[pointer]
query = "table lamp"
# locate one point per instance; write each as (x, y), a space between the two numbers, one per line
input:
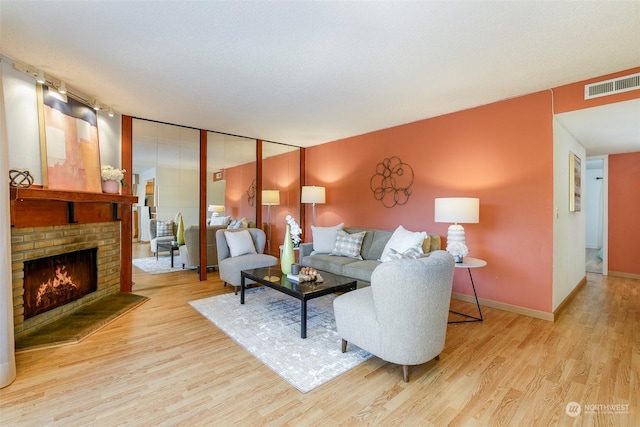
(456, 210)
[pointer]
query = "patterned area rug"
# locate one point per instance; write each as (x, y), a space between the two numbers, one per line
(268, 326)
(162, 265)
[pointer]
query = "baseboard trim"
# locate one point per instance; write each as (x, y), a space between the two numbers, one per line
(625, 275)
(569, 297)
(538, 314)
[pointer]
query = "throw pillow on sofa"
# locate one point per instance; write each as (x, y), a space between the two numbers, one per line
(413, 252)
(238, 223)
(240, 243)
(164, 228)
(324, 238)
(348, 245)
(219, 220)
(401, 240)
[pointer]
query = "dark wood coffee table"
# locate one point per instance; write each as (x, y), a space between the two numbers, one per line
(303, 291)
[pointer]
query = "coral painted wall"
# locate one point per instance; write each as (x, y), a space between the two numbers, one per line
(501, 153)
(238, 191)
(624, 206)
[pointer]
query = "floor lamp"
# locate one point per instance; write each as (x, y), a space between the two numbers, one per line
(312, 194)
(269, 198)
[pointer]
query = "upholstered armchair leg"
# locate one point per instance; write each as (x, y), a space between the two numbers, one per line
(437, 357)
(225, 284)
(405, 373)
(235, 290)
(344, 346)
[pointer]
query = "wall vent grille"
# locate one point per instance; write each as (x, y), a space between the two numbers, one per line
(611, 87)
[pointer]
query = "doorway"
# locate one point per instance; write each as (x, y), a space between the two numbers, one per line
(596, 215)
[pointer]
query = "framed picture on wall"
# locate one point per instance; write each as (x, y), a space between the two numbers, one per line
(68, 143)
(575, 182)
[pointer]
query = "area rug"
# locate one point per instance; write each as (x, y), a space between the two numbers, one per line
(268, 326)
(161, 265)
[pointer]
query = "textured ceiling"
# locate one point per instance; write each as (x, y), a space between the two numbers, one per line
(305, 73)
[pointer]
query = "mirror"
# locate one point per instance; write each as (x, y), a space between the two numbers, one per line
(281, 175)
(166, 178)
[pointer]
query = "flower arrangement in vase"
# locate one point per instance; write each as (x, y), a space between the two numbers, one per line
(458, 249)
(111, 177)
(295, 231)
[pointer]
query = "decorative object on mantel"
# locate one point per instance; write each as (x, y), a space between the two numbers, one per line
(251, 193)
(296, 231)
(391, 184)
(111, 177)
(288, 257)
(20, 178)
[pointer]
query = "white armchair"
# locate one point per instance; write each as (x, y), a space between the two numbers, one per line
(402, 316)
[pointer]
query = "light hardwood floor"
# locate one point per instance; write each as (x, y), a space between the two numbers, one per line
(164, 364)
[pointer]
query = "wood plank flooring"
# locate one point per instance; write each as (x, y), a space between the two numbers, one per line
(164, 364)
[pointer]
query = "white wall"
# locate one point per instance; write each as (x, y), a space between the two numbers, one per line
(594, 203)
(7, 345)
(22, 126)
(569, 262)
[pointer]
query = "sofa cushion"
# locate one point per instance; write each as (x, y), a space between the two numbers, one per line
(240, 243)
(401, 240)
(348, 245)
(326, 262)
(164, 228)
(324, 238)
(360, 270)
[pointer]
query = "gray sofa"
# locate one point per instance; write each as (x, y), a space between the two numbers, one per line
(372, 247)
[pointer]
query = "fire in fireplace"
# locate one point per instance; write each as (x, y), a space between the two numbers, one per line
(57, 280)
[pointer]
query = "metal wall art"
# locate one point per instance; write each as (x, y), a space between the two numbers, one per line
(20, 178)
(251, 193)
(391, 184)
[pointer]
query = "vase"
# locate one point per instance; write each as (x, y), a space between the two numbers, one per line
(110, 186)
(288, 256)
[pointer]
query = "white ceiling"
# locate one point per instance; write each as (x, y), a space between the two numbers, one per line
(305, 73)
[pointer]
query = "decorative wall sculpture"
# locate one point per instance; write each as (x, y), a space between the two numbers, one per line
(391, 184)
(251, 193)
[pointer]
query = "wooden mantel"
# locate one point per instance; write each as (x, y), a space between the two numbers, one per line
(37, 207)
(40, 207)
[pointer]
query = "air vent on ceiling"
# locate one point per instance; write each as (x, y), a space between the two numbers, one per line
(613, 86)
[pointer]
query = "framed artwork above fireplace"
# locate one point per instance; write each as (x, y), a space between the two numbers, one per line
(69, 145)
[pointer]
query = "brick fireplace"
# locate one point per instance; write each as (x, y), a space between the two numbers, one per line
(29, 243)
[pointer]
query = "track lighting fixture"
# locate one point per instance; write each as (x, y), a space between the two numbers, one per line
(40, 77)
(110, 113)
(96, 105)
(62, 89)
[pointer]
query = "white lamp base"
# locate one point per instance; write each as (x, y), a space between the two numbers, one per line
(455, 233)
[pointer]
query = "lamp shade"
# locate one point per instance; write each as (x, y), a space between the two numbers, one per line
(270, 197)
(216, 208)
(465, 210)
(312, 194)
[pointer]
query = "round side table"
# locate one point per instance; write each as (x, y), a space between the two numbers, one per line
(470, 263)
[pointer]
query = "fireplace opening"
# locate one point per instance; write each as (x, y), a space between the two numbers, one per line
(57, 280)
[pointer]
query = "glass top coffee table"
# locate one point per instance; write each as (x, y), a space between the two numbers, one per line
(303, 291)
